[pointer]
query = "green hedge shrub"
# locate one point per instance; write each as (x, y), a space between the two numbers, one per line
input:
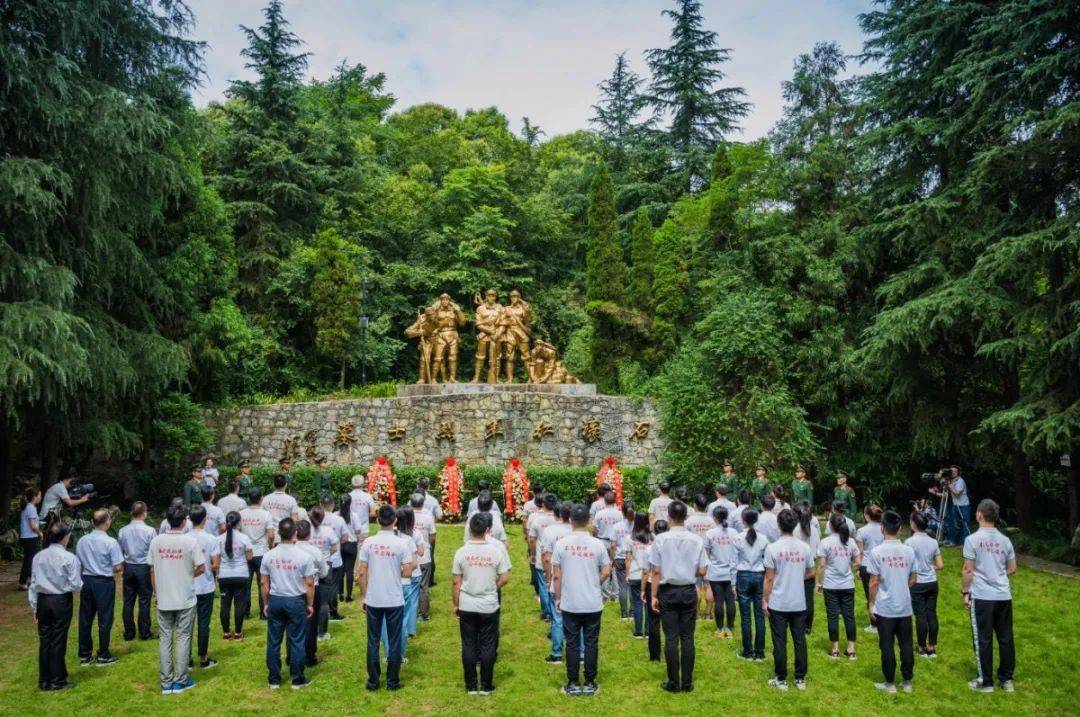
(577, 484)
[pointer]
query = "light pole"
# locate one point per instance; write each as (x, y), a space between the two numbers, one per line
(363, 333)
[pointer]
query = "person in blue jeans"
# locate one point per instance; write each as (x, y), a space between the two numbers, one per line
(410, 585)
(384, 559)
(750, 586)
(287, 584)
(637, 561)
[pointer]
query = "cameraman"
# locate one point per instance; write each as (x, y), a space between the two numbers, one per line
(958, 512)
(57, 496)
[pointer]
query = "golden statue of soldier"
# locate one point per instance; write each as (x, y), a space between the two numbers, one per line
(516, 332)
(447, 316)
(489, 332)
(424, 329)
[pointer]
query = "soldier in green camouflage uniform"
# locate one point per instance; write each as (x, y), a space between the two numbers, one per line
(244, 479)
(801, 487)
(844, 492)
(759, 487)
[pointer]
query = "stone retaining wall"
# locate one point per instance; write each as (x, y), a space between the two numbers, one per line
(487, 428)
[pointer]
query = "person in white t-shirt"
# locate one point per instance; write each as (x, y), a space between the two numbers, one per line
(580, 563)
(677, 562)
(699, 522)
(209, 473)
(597, 505)
(869, 536)
(328, 541)
(837, 553)
(259, 526)
(432, 508)
(989, 560)
(808, 531)
(215, 517)
(205, 585)
(892, 573)
(287, 574)
(721, 491)
(924, 593)
(232, 501)
(231, 566)
(425, 524)
(176, 560)
(766, 524)
(788, 564)
(544, 548)
(481, 486)
(658, 505)
(279, 504)
(535, 524)
(620, 558)
(750, 584)
(363, 508)
(720, 549)
(313, 624)
(385, 560)
(605, 523)
(479, 570)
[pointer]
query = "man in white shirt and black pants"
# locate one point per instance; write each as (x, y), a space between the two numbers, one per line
(134, 539)
(789, 563)
(580, 563)
(989, 560)
(480, 569)
(892, 573)
(101, 560)
(677, 559)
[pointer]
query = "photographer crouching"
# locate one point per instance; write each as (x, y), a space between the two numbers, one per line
(65, 494)
(952, 490)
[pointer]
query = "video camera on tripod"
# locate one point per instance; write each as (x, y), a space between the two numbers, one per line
(78, 490)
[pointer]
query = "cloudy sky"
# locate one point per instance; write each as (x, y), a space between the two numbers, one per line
(540, 59)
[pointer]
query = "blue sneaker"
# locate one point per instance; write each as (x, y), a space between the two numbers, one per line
(166, 689)
(179, 687)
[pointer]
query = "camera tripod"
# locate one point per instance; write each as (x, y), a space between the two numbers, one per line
(942, 507)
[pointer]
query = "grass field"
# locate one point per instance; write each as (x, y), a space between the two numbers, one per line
(1047, 631)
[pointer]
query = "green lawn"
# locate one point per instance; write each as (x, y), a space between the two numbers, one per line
(1047, 679)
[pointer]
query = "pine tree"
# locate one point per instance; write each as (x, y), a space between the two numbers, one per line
(95, 122)
(683, 87)
(335, 295)
(615, 116)
(605, 280)
(265, 166)
(671, 284)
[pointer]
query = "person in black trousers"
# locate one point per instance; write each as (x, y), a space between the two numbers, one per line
(55, 575)
(134, 539)
(678, 561)
(989, 560)
(349, 549)
(480, 570)
(652, 618)
(29, 532)
(101, 561)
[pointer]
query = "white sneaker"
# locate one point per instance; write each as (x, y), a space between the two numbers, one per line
(978, 686)
(887, 687)
(1008, 686)
(800, 684)
(778, 684)
(906, 686)
(871, 629)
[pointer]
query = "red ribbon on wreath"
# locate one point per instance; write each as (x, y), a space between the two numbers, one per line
(610, 474)
(450, 484)
(515, 488)
(381, 483)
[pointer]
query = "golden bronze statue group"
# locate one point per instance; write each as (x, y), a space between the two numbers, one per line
(502, 332)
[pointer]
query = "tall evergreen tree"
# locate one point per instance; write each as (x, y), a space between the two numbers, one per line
(605, 280)
(615, 116)
(684, 87)
(93, 128)
(639, 288)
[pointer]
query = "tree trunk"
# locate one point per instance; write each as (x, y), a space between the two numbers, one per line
(1072, 473)
(7, 470)
(1025, 492)
(49, 458)
(341, 380)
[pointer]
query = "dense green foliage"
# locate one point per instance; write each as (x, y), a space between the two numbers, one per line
(888, 280)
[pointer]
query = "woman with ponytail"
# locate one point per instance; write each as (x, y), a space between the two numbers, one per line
(231, 568)
(29, 532)
(869, 537)
(350, 546)
(808, 531)
(55, 575)
(837, 553)
(750, 585)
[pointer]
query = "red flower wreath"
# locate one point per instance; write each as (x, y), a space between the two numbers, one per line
(450, 484)
(610, 474)
(380, 481)
(515, 488)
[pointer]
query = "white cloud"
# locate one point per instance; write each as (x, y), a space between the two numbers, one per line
(542, 60)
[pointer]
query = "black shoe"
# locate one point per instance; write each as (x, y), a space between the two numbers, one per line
(571, 689)
(348, 598)
(393, 688)
(57, 686)
(301, 683)
(669, 687)
(151, 636)
(208, 664)
(688, 688)
(128, 638)
(336, 617)
(88, 660)
(589, 689)
(371, 687)
(553, 660)
(312, 662)
(105, 660)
